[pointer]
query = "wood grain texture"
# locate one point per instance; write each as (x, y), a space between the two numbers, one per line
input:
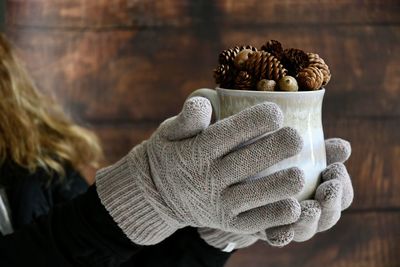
(181, 13)
(375, 158)
(123, 66)
(147, 74)
(97, 14)
(358, 240)
(118, 75)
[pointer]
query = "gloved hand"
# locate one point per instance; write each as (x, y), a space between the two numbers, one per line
(332, 196)
(190, 173)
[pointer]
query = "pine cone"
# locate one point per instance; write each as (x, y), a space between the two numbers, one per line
(294, 60)
(263, 65)
(316, 61)
(244, 81)
(310, 78)
(274, 47)
(228, 56)
(224, 75)
(252, 48)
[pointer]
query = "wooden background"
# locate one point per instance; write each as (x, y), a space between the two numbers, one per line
(121, 67)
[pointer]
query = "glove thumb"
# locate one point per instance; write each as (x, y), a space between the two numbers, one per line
(194, 118)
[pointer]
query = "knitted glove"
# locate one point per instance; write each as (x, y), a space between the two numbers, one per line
(332, 196)
(190, 173)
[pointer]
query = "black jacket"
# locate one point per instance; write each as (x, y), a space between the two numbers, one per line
(80, 232)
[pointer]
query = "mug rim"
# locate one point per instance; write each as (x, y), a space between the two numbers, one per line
(235, 91)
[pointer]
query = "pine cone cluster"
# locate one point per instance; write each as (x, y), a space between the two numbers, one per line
(270, 64)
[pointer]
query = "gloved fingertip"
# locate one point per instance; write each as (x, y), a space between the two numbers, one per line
(293, 210)
(292, 140)
(280, 236)
(334, 171)
(329, 194)
(273, 112)
(196, 104)
(337, 150)
(194, 118)
(310, 211)
(297, 177)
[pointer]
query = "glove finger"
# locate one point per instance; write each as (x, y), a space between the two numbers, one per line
(329, 196)
(279, 236)
(275, 214)
(307, 225)
(225, 135)
(337, 150)
(272, 188)
(338, 171)
(258, 156)
(194, 118)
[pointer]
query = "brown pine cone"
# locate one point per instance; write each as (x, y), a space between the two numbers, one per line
(310, 78)
(244, 81)
(263, 65)
(228, 56)
(274, 47)
(224, 75)
(252, 48)
(294, 60)
(316, 61)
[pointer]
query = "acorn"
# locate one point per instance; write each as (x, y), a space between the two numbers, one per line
(288, 83)
(266, 85)
(241, 58)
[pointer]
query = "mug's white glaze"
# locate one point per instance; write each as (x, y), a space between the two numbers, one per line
(302, 111)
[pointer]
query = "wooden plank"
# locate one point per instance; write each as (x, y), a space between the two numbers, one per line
(118, 141)
(264, 13)
(375, 158)
(181, 13)
(358, 240)
(97, 14)
(146, 75)
(118, 75)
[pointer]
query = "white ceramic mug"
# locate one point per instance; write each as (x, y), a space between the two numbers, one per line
(302, 111)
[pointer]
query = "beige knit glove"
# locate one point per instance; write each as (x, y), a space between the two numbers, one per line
(332, 196)
(190, 173)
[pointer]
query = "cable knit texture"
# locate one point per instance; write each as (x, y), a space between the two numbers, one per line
(190, 173)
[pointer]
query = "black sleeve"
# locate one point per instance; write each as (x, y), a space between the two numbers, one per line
(182, 249)
(77, 233)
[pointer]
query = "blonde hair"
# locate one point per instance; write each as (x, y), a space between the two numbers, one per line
(34, 131)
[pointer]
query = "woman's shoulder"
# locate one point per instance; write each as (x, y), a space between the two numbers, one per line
(68, 187)
(13, 175)
(31, 195)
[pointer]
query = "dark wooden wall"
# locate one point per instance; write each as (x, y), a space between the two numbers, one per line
(122, 67)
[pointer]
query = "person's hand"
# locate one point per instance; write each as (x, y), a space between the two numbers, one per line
(332, 196)
(190, 173)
